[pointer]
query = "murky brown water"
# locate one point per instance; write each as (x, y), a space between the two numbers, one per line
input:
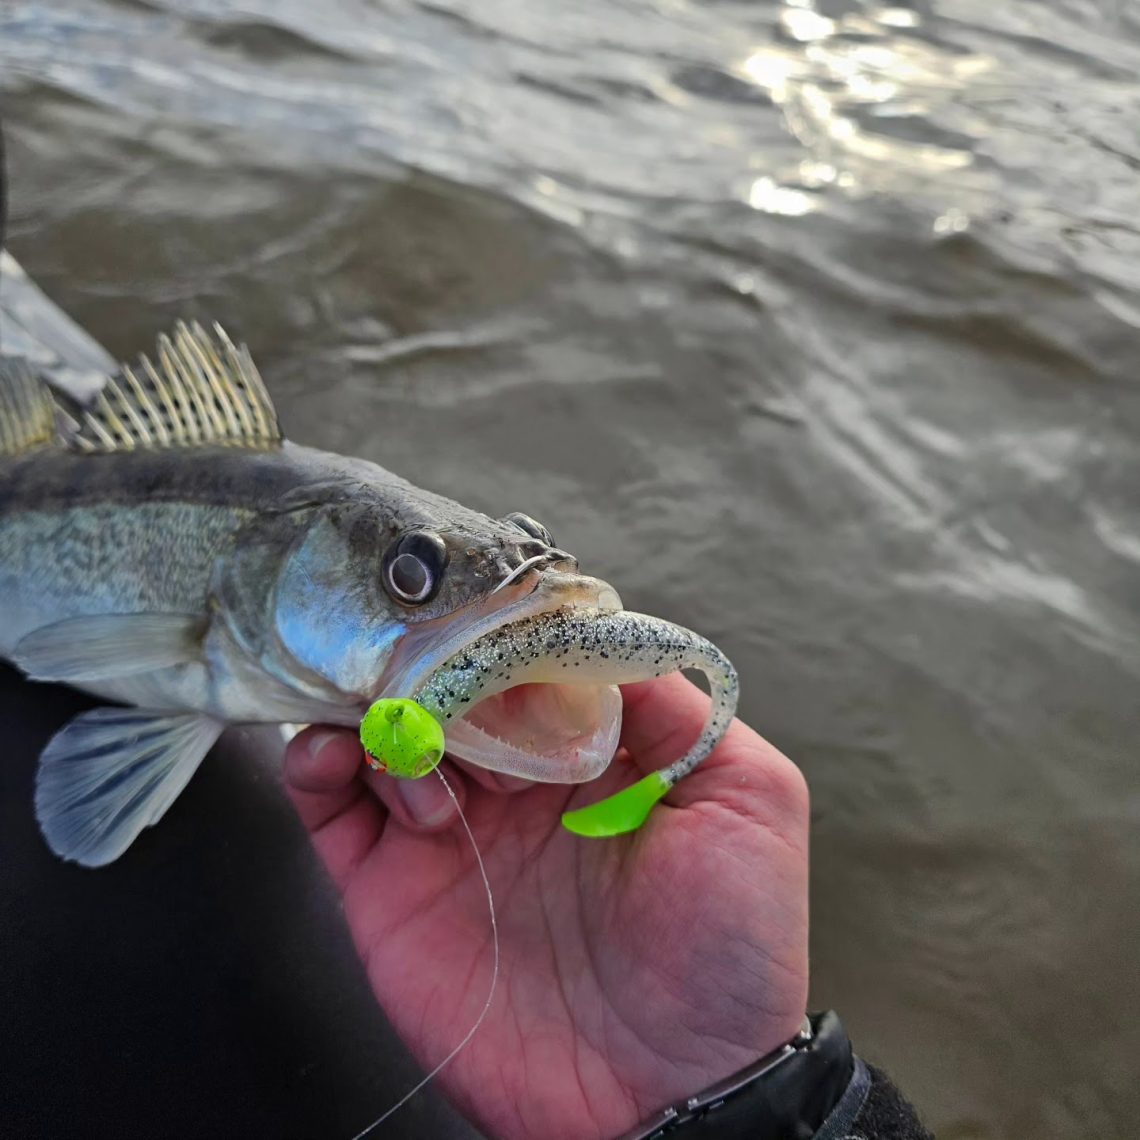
(813, 327)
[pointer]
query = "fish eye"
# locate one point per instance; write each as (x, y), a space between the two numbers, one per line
(530, 526)
(413, 567)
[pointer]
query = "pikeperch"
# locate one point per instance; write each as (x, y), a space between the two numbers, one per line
(162, 545)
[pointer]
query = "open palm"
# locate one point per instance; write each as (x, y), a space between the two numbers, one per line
(635, 970)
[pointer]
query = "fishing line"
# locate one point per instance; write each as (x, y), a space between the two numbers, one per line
(494, 972)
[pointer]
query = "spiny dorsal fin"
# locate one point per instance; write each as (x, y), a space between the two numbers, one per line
(27, 413)
(203, 390)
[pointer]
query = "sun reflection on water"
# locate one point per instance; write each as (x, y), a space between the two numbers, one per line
(766, 195)
(847, 85)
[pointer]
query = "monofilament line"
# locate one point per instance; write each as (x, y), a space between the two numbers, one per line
(494, 972)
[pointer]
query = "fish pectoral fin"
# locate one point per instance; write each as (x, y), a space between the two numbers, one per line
(109, 645)
(111, 772)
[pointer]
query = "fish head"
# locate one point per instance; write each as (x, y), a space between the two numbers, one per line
(375, 592)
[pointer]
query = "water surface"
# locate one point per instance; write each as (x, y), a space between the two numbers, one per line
(810, 326)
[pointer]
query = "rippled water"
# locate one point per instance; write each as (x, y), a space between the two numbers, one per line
(811, 326)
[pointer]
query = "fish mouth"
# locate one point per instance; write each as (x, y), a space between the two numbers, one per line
(553, 731)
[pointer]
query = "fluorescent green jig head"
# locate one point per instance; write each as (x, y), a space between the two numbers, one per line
(401, 737)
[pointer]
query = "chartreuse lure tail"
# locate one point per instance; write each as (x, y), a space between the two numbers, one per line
(624, 811)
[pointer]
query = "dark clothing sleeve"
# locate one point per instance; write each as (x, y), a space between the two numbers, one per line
(812, 1088)
(872, 1108)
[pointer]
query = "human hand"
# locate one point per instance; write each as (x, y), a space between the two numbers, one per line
(636, 970)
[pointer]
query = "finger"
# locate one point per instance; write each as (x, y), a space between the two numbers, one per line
(344, 821)
(492, 781)
(423, 804)
(320, 772)
(508, 783)
(661, 720)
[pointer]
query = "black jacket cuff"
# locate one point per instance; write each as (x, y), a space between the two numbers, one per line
(814, 1088)
(872, 1108)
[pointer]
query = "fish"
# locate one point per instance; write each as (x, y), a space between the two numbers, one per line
(165, 547)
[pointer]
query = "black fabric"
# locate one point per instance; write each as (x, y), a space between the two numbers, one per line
(886, 1114)
(825, 1093)
(841, 1121)
(790, 1102)
(203, 987)
(870, 1108)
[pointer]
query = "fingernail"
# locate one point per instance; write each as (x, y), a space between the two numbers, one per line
(315, 744)
(426, 799)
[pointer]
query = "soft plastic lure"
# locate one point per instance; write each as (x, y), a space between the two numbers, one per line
(602, 646)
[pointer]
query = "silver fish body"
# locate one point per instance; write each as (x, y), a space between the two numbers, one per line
(273, 555)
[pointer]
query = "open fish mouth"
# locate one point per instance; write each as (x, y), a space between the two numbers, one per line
(531, 689)
(558, 730)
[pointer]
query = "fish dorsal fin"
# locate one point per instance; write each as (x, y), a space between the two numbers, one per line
(202, 390)
(27, 413)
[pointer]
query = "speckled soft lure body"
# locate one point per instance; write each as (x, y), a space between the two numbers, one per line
(596, 646)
